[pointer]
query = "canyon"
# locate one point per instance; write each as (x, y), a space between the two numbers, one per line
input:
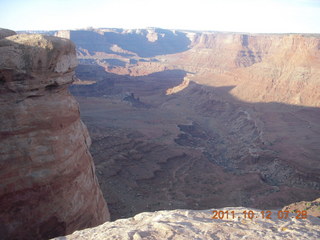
(195, 120)
(48, 184)
(177, 120)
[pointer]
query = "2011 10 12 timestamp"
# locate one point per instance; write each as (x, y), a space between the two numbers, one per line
(249, 214)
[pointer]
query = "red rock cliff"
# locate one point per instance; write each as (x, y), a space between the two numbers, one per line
(48, 184)
(262, 67)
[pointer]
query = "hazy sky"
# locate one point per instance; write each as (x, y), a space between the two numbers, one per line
(220, 15)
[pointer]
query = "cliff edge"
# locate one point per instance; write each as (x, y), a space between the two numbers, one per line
(48, 184)
(230, 223)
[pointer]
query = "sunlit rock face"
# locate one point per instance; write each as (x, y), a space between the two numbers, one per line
(262, 67)
(48, 183)
(230, 223)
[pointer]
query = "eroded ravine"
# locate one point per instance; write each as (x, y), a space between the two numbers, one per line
(230, 120)
(197, 150)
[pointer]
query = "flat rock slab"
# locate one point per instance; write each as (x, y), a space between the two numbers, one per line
(191, 224)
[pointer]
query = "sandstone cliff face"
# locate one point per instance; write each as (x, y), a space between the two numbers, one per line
(263, 68)
(48, 183)
(290, 73)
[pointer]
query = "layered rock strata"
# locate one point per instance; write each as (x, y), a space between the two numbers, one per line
(48, 184)
(262, 67)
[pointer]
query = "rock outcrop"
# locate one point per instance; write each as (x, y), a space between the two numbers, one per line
(48, 184)
(6, 33)
(313, 207)
(188, 224)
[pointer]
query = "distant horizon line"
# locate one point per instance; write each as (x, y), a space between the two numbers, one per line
(171, 29)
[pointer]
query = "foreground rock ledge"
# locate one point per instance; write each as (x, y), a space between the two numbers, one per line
(191, 224)
(48, 184)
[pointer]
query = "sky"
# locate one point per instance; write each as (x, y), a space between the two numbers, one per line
(257, 16)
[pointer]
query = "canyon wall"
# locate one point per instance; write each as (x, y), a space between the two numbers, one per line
(144, 43)
(48, 183)
(262, 67)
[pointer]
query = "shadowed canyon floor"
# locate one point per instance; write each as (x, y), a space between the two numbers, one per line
(200, 120)
(198, 148)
